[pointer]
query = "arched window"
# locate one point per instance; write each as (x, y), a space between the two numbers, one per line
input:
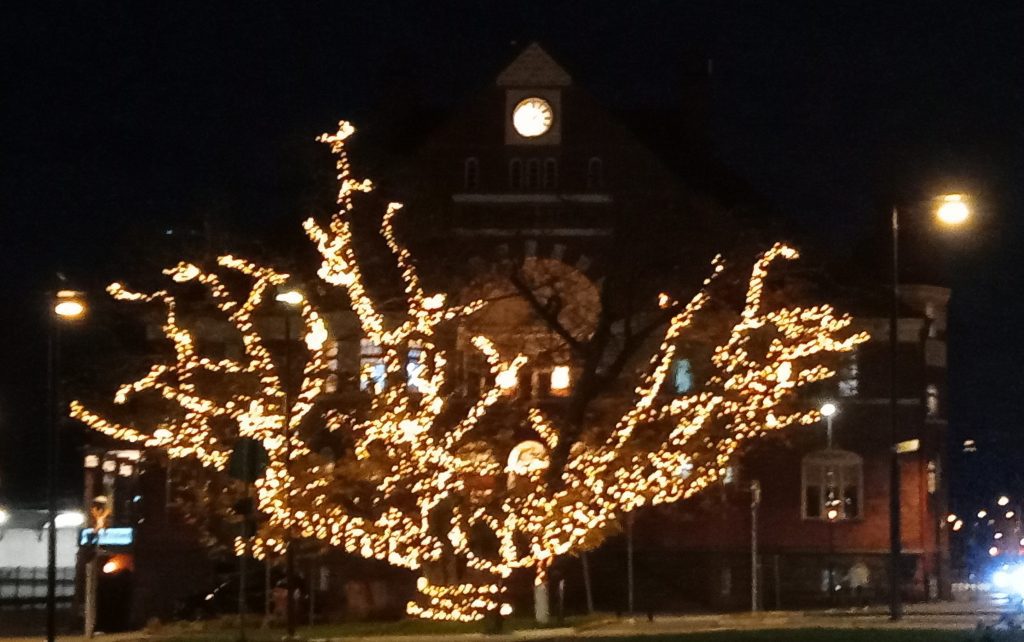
(471, 174)
(682, 376)
(515, 174)
(931, 399)
(595, 173)
(532, 174)
(848, 376)
(832, 482)
(550, 173)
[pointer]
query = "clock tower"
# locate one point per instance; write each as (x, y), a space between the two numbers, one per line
(533, 86)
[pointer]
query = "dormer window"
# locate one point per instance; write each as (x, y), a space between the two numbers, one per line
(471, 174)
(550, 173)
(595, 173)
(515, 174)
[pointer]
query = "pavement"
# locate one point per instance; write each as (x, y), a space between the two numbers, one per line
(958, 616)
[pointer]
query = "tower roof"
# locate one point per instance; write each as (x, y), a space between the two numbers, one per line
(534, 68)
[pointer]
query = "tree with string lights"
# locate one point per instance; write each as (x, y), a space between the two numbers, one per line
(419, 476)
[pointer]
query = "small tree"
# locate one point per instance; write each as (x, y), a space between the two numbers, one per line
(417, 476)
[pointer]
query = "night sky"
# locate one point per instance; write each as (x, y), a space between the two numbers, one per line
(121, 120)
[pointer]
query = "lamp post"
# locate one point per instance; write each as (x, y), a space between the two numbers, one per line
(951, 210)
(66, 307)
(828, 409)
(290, 299)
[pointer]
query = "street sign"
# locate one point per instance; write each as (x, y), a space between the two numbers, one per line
(248, 460)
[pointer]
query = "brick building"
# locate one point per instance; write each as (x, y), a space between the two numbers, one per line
(535, 167)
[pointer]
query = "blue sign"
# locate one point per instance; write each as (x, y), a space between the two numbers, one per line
(123, 536)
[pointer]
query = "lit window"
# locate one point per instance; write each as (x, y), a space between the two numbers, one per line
(933, 478)
(848, 377)
(507, 381)
(729, 474)
(550, 173)
(933, 326)
(595, 173)
(560, 380)
(415, 367)
(372, 371)
(471, 174)
(682, 376)
(532, 174)
(331, 354)
(515, 174)
(833, 485)
(932, 400)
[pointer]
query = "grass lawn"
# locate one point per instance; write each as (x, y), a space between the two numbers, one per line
(420, 627)
(224, 630)
(831, 635)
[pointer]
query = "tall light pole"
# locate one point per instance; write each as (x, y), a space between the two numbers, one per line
(828, 410)
(951, 210)
(290, 299)
(66, 306)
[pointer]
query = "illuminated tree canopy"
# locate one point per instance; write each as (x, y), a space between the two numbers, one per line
(413, 477)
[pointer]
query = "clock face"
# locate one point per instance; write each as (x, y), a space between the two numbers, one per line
(532, 117)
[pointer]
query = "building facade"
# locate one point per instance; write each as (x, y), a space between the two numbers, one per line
(534, 169)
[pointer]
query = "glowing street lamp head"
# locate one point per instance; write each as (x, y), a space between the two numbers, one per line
(290, 297)
(69, 519)
(69, 304)
(828, 409)
(1003, 501)
(953, 209)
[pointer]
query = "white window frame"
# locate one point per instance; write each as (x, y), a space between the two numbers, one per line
(814, 472)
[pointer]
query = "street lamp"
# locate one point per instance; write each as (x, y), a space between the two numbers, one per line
(290, 299)
(67, 306)
(950, 210)
(70, 519)
(828, 409)
(953, 209)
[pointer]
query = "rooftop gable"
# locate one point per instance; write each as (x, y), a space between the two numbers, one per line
(534, 68)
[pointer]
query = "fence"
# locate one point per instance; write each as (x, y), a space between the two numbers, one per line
(25, 587)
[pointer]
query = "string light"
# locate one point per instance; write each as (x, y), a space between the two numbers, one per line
(423, 481)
